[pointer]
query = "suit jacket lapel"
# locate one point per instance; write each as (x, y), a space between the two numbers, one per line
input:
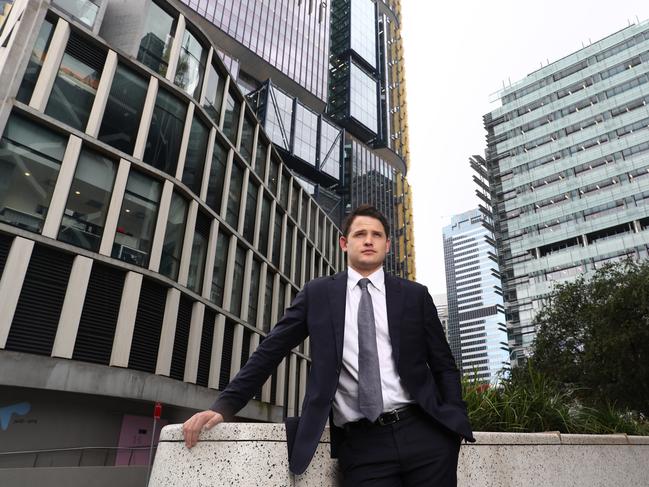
(394, 303)
(337, 303)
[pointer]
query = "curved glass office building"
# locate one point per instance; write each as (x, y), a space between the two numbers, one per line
(150, 232)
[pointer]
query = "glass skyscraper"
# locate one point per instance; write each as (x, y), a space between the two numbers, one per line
(568, 170)
(476, 319)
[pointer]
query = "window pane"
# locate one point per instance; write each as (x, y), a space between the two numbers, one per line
(306, 134)
(121, 120)
(231, 120)
(260, 159)
(214, 94)
(30, 159)
(217, 177)
(251, 211)
(254, 292)
(295, 197)
(268, 302)
(196, 152)
(76, 83)
(35, 62)
(166, 132)
(288, 249)
(237, 280)
(284, 189)
(234, 195)
(88, 200)
(84, 10)
(191, 65)
(277, 237)
(264, 229)
(363, 104)
(298, 260)
(155, 45)
(220, 262)
(174, 236)
(273, 176)
(199, 253)
(247, 135)
(137, 219)
(281, 299)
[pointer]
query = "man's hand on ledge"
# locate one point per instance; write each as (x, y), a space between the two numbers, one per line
(199, 421)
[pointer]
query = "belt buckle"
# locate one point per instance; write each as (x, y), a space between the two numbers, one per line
(388, 418)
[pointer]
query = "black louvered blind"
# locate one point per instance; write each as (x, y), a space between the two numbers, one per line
(5, 245)
(205, 356)
(99, 315)
(245, 346)
(39, 307)
(148, 325)
(81, 49)
(226, 356)
(181, 338)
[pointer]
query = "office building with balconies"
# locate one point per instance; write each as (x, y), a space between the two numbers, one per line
(568, 171)
(150, 232)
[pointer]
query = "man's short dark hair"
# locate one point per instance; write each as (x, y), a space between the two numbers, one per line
(365, 210)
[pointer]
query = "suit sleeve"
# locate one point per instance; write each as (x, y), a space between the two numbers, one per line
(440, 359)
(289, 332)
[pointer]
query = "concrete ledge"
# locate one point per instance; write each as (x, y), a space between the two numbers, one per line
(250, 454)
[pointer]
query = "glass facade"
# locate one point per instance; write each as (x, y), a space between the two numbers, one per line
(362, 102)
(275, 31)
(217, 176)
(196, 154)
(567, 170)
(213, 100)
(174, 236)
(88, 200)
(85, 11)
(363, 30)
(476, 315)
(30, 160)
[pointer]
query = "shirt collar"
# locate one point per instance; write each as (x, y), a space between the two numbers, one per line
(377, 278)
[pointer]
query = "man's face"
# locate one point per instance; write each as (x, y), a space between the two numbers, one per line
(366, 244)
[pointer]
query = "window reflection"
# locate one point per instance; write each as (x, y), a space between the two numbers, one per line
(268, 302)
(83, 10)
(191, 65)
(196, 153)
(199, 253)
(220, 263)
(165, 134)
(251, 210)
(234, 195)
(35, 62)
(155, 45)
(231, 120)
(254, 292)
(76, 83)
(174, 236)
(217, 177)
(121, 121)
(237, 280)
(264, 230)
(137, 219)
(214, 94)
(88, 200)
(247, 135)
(260, 159)
(30, 160)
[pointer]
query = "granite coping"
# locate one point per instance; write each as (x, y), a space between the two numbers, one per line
(276, 432)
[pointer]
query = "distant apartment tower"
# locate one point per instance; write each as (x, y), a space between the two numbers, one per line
(568, 170)
(476, 329)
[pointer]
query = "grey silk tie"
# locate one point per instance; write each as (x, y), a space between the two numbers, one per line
(370, 399)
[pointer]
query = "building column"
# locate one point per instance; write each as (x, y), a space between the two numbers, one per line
(50, 67)
(217, 352)
(126, 320)
(115, 206)
(75, 295)
(168, 333)
(11, 283)
(194, 342)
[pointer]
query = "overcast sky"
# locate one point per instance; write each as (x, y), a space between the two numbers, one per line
(458, 54)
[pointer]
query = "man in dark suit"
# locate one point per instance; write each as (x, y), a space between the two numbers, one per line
(381, 372)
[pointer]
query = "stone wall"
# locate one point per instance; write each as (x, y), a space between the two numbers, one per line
(248, 454)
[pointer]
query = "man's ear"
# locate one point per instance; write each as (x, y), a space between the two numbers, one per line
(342, 241)
(387, 246)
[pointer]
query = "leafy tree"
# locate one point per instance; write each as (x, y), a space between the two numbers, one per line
(593, 336)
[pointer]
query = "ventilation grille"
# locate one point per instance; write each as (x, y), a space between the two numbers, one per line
(245, 346)
(5, 245)
(180, 340)
(37, 314)
(81, 49)
(205, 356)
(99, 316)
(226, 357)
(148, 325)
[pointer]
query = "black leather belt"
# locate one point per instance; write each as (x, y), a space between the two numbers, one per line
(385, 419)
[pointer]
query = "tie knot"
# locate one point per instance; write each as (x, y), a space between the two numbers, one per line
(363, 283)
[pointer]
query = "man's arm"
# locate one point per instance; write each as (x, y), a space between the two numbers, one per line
(289, 332)
(440, 359)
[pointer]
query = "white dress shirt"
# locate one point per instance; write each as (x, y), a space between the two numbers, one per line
(345, 405)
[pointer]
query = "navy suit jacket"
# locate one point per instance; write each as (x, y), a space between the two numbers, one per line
(421, 352)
